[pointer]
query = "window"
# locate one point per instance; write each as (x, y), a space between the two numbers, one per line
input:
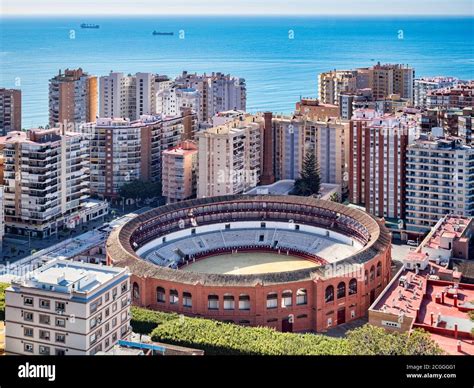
(329, 294)
(272, 300)
(124, 287)
(213, 302)
(379, 269)
(44, 304)
(123, 331)
(28, 347)
(44, 350)
(135, 291)
(301, 297)
(160, 295)
(60, 352)
(60, 338)
(353, 287)
(27, 301)
(107, 297)
(229, 303)
(27, 316)
(372, 273)
(174, 297)
(60, 322)
(366, 277)
(60, 307)
(244, 302)
(44, 319)
(28, 332)
(286, 298)
(341, 290)
(187, 299)
(95, 305)
(44, 335)
(329, 322)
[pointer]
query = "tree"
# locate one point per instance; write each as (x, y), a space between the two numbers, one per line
(139, 189)
(334, 197)
(309, 182)
(372, 340)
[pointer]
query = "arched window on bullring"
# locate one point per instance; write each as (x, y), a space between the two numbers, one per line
(366, 277)
(353, 287)
(229, 303)
(301, 297)
(187, 299)
(272, 300)
(213, 302)
(341, 290)
(372, 273)
(329, 294)
(136, 291)
(160, 295)
(287, 298)
(379, 269)
(244, 302)
(174, 297)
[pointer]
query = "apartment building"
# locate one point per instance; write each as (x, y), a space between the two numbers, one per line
(422, 86)
(67, 308)
(333, 83)
(350, 101)
(173, 100)
(127, 96)
(218, 92)
(10, 110)
(315, 110)
(386, 79)
(179, 173)
(377, 155)
(46, 180)
(72, 98)
(229, 157)
(458, 96)
(124, 150)
(2, 218)
(440, 181)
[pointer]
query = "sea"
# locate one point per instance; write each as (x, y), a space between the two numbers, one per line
(279, 57)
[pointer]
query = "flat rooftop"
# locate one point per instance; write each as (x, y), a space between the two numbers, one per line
(69, 276)
(451, 227)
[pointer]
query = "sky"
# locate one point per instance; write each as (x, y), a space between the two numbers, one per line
(233, 7)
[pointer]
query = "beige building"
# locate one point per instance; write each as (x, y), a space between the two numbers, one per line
(72, 98)
(10, 110)
(46, 177)
(178, 176)
(388, 79)
(229, 157)
(67, 308)
(127, 96)
(335, 82)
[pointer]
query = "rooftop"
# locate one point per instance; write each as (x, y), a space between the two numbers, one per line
(69, 276)
(450, 227)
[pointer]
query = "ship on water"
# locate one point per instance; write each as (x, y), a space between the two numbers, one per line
(87, 25)
(162, 33)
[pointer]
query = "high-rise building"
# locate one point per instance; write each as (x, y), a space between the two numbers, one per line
(229, 157)
(46, 176)
(171, 101)
(333, 83)
(127, 96)
(67, 308)
(218, 92)
(423, 85)
(179, 173)
(377, 156)
(72, 98)
(459, 96)
(350, 101)
(315, 110)
(391, 79)
(10, 110)
(440, 181)
(122, 150)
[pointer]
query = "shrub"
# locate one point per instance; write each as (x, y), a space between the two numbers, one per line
(144, 321)
(3, 286)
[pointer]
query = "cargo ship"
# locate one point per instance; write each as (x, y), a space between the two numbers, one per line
(86, 25)
(162, 33)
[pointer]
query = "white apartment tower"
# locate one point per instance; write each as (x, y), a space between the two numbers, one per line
(440, 181)
(46, 175)
(67, 308)
(127, 96)
(229, 157)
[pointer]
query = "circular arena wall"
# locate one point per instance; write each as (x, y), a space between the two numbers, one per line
(308, 299)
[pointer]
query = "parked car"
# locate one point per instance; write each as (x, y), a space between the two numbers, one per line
(412, 243)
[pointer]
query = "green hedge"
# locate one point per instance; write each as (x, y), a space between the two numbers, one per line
(3, 286)
(219, 338)
(144, 321)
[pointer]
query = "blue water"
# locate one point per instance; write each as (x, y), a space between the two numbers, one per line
(278, 70)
